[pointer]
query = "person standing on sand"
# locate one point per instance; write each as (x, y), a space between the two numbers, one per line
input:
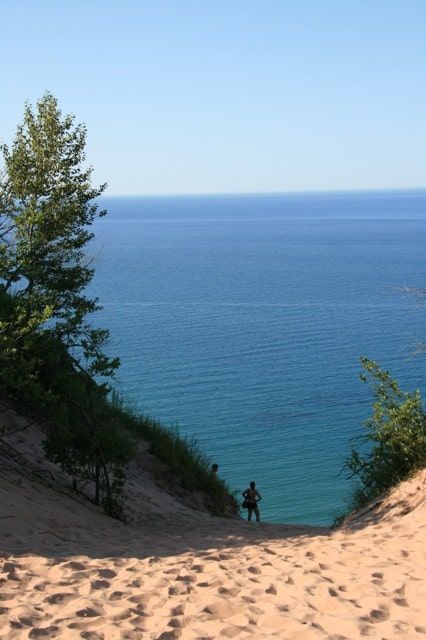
(252, 497)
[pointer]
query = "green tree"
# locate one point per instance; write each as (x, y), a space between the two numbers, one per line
(51, 357)
(47, 204)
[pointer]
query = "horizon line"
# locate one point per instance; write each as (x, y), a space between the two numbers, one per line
(307, 192)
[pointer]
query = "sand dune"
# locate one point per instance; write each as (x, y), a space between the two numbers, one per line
(67, 571)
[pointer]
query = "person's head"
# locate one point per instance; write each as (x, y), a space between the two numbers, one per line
(252, 484)
(215, 468)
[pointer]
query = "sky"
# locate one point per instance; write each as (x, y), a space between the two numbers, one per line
(214, 96)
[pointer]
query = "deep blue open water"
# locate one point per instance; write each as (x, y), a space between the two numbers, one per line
(242, 319)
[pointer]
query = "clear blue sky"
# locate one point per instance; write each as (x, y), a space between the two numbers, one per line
(210, 96)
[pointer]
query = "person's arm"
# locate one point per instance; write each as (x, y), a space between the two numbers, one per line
(259, 497)
(244, 493)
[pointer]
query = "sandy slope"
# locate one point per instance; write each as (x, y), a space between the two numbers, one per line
(69, 572)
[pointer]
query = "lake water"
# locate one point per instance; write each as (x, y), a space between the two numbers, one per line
(242, 320)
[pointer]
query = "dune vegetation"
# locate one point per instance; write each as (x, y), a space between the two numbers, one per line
(53, 363)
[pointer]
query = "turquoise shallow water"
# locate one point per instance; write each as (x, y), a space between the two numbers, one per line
(242, 319)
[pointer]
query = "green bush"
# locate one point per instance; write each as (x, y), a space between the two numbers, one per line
(394, 444)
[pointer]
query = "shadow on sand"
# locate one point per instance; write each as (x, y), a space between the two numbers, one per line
(36, 520)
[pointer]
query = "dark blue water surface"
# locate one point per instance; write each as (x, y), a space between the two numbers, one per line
(242, 319)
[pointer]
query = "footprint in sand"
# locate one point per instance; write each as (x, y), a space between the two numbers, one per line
(378, 615)
(99, 584)
(178, 611)
(119, 562)
(75, 566)
(255, 570)
(401, 602)
(60, 598)
(10, 566)
(16, 625)
(136, 583)
(188, 579)
(106, 573)
(132, 569)
(27, 622)
(181, 590)
(139, 611)
(232, 592)
(141, 599)
(46, 632)
(178, 623)
(13, 576)
(88, 612)
(213, 557)
(198, 568)
(272, 590)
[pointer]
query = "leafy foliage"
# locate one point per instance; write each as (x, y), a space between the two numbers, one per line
(394, 444)
(47, 204)
(49, 352)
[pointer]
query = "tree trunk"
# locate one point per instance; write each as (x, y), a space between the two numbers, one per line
(97, 483)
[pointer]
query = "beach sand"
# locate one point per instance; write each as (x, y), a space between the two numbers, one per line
(68, 571)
